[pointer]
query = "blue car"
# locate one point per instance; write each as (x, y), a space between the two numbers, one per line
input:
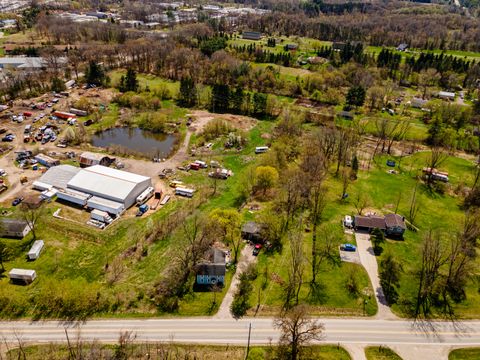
(348, 247)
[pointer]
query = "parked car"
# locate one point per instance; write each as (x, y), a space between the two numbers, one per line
(3, 172)
(348, 247)
(8, 138)
(88, 122)
(257, 249)
(17, 201)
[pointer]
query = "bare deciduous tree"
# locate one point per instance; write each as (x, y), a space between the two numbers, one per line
(297, 330)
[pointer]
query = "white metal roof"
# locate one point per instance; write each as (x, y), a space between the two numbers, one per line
(112, 183)
(95, 200)
(59, 176)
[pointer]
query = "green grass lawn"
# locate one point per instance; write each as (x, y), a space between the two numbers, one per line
(168, 350)
(438, 212)
(465, 354)
(154, 83)
(381, 353)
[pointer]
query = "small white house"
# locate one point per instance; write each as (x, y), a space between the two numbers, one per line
(35, 250)
(22, 275)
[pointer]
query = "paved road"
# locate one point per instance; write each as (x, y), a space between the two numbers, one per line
(222, 331)
(369, 262)
(245, 258)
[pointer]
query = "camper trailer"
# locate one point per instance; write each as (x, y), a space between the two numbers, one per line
(184, 192)
(144, 196)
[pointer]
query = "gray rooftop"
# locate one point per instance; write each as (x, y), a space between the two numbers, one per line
(59, 176)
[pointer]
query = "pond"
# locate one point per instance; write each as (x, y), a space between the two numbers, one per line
(136, 140)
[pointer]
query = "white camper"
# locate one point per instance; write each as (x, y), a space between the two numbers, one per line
(144, 196)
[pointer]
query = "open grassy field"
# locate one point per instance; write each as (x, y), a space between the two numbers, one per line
(464, 354)
(151, 82)
(165, 350)
(381, 353)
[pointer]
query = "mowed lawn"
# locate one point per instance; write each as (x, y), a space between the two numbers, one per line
(437, 212)
(465, 354)
(381, 353)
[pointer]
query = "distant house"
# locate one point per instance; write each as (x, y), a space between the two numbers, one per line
(251, 35)
(345, 115)
(418, 103)
(291, 47)
(391, 224)
(89, 159)
(14, 228)
(446, 95)
(253, 231)
(402, 47)
(211, 271)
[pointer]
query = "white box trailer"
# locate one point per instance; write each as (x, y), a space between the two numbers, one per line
(22, 275)
(144, 196)
(100, 215)
(184, 192)
(74, 197)
(35, 250)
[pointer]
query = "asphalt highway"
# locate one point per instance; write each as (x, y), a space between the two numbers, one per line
(218, 331)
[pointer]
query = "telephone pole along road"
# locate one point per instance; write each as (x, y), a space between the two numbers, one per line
(224, 331)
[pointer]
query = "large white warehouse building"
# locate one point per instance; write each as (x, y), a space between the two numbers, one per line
(97, 187)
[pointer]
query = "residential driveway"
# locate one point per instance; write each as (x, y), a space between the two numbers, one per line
(369, 262)
(246, 258)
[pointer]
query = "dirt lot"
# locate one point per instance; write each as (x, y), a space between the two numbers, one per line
(202, 118)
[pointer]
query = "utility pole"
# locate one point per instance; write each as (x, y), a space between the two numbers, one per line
(248, 343)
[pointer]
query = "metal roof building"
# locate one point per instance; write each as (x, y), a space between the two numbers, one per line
(111, 184)
(97, 187)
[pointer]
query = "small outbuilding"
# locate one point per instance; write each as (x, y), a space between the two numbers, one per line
(22, 276)
(253, 231)
(35, 250)
(89, 159)
(14, 228)
(251, 35)
(46, 160)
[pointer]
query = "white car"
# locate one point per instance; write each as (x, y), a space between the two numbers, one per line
(347, 221)
(3, 172)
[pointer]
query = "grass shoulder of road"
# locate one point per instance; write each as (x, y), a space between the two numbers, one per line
(170, 350)
(465, 354)
(381, 353)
